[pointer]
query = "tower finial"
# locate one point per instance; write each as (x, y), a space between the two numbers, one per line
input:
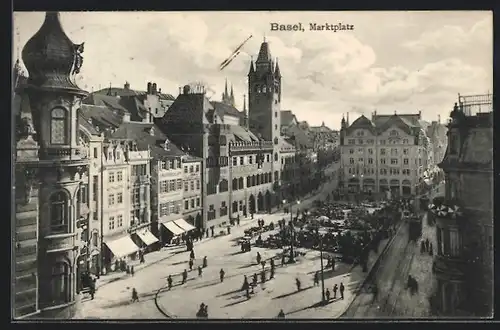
(264, 37)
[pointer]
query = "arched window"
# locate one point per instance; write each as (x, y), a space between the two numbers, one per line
(249, 181)
(59, 213)
(275, 140)
(223, 186)
(60, 284)
(235, 184)
(95, 239)
(257, 89)
(58, 126)
(240, 183)
(258, 180)
(253, 180)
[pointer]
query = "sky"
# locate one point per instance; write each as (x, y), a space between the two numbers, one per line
(390, 61)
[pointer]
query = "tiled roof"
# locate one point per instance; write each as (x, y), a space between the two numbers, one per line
(320, 129)
(264, 53)
(190, 108)
(140, 133)
(410, 119)
(114, 91)
(112, 102)
(100, 116)
(191, 158)
(242, 134)
(85, 122)
(287, 117)
(226, 109)
(300, 137)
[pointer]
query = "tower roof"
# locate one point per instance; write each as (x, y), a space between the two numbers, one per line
(277, 72)
(252, 69)
(51, 58)
(264, 53)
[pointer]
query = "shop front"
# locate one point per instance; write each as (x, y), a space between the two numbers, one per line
(170, 233)
(122, 248)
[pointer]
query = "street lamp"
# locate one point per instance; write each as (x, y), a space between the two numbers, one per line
(292, 233)
(323, 300)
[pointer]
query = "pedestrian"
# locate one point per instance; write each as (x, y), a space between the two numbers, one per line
(206, 233)
(135, 296)
(259, 258)
(184, 276)
(272, 263)
(190, 264)
(201, 311)
(254, 279)
(132, 271)
(272, 274)
(191, 255)
(327, 295)
(283, 259)
(281, 314)
(316, 278)
(430, 249)
(427, 244)
(238, 219)
(221, 275)
(342, 290)
(142, 260)
(200, 271)
(229, 230)
(205, 263)
(92, 291)
(245, 283)
(263, 263)
(422, 246)
(335, 288)
(127, 270)
(375, 292)
(169, 281)
(263, 276)
(298, 284)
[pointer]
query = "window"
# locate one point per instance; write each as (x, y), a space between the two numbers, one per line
(370, 160)
(268, 158)
(351, 151)
(117, 155)
(186, 205)
(164, 166)
(95, 239)
(242, 160)
(192, 203)
(163, 186)
(405, 141)
(250, 159)
(198, 201)
(171, 185)
(405, 151)
(223, 186)
(58, 126)
(119, 176)
(164, 209)
(60, 284)
(223, 209)
(191, 184)
(179, 184)
(275, 156)
(360, 150)
(191, 169)
(394, 133)
(351, 141)
(111, 177)
(58, 212)
(360, 159)
(95, 153)
(119, 221)
(382, 160)
(360, 141)
(382, 151)
(370, 151)
(394, 161)
(111, 223)
(382, 141)
(275, 114)
(370, 141)
(198, 184)
(405, 161)
(186, 186)
(95, 187)
(136, 196)
(351, 160)
(394, 152)
(111, 199)
(197, 168)
(235, 161)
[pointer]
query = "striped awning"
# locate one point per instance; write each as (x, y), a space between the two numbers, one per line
(122, 247)
(173, 228)
(147, 237)
(184, 224)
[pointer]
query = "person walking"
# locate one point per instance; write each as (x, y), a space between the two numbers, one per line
(281, 314)
(169, 281)
(92, 291)
(335, 288)
(283, 259)
(333, 263)
(221, 275)
(238, 219)
(191, 255)
(184, 276)
(254, 280)
(342, 290)
(316, 279)
(298, 284)
(132, 271)
(135, 296)
(190, 264)
(200, 271)
(327, 295)
(205, 263)
(259, 258)
(430, 249)
(263, 276)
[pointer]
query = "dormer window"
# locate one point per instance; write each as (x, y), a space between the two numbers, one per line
(264, 89)
(117, 155)
(58, 122)
(394, 132)
(166, 145)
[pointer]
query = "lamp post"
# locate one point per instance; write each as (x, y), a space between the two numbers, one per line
(323, 300)
(292, 233)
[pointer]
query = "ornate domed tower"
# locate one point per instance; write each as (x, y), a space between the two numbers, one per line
(53, 61)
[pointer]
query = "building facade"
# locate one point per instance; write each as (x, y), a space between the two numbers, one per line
(383, 157)
(463, 265)
(192, 196)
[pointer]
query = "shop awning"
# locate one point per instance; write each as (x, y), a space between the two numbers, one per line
(147, 237)
(122, 247)
(184, 224)
(173, 228)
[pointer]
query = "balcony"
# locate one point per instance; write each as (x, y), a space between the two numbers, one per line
(63, 153)
(60, 242)
(449, 267)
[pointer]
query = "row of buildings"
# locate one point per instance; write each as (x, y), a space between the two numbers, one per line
(389, 155)
(102, 176)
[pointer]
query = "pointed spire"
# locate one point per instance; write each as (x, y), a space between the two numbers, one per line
(231, 97)
(277, 72)
(252, 69)
(264, 53)
(245, 104)
(109, 90)
(225, 89)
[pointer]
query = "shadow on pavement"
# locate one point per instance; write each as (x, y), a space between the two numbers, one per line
(247, 266)
(292, 293)
(234, 253)
(315, 305)
(228, 293)
(236, 302)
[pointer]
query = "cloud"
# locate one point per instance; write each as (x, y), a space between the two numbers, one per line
(325, 74)
(451, 38)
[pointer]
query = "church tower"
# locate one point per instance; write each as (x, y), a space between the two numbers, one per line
(264, 96)
(52, 61)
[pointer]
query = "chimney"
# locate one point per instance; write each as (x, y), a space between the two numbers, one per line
(180, 90)
(439, 119)
(149, 88)
(154, 89)
(348, 119)
(420, 114)
(159, 90)
(186, 89)
(127, 85)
